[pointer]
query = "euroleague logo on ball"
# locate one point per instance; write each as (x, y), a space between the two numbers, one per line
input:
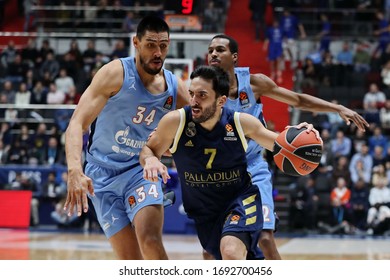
(297, 152)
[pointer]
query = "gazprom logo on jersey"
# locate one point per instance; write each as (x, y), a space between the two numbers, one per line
(122, 139)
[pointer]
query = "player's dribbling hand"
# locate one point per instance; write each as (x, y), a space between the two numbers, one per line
(309, 127)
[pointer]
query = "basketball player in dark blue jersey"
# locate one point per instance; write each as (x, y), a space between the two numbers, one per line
(245, 94)
(208, 143)
(122, 105)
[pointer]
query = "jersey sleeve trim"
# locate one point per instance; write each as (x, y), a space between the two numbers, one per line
(179, 130)
(240, 130)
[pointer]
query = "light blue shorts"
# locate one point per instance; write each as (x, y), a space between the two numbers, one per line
(120, 194)
(262, 177)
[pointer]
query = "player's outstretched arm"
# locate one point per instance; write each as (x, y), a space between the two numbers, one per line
(158, 143)
(264, 86)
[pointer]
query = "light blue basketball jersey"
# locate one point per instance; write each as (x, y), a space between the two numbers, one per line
(122, 128)
(257, 166)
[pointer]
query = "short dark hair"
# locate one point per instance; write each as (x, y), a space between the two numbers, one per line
(151, 23)
(233, 45)
(219, 78)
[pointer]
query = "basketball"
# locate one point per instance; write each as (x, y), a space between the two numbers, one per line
(297, 152)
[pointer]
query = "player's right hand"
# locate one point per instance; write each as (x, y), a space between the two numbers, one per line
(78, 186)
(153, 167)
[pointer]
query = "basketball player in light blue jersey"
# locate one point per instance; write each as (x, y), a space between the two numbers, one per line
(245, 94)
(121, 107)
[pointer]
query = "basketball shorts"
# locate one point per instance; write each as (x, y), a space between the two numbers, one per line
(262, 178)
(120, 194)
(242, 216)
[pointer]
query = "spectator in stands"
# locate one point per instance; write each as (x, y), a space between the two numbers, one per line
(11, 115)
(50, 65)
(104, 15)
(324, 35)
(90, 15)
(327, 154)
(77, 14)
(50, 190)
(383, 33)
(38, 94)
(341, 169)
(374, 95)
(341, 145)
(54, 153)
(55, 96)
(340, 197)
(71, 66)
(39, 144)
(5, 134)
(64, 82)
(327, 70)
(17, 69)
(290, 25)
(379, 155)
(128, 23)
(344, 61)
(75, 54)
(43, 51)
(89, 56)
(310, 74)
(273, 43)
(30, 54)
(359, 204)
(8, 91)
(377, 139)
(17, 154)
(8, 54)
(385, 74)
(72, 97)
(335, 121)
(211, 17)
(385, 116)
(361, 165)
(362, 58)
(379, 198)
(23, 95)
(30, 79)
(120, 50)
(371, 114)
(117, 13)
(3, 152)
(62, 118)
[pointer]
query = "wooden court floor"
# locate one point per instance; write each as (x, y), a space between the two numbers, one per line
(62, 245)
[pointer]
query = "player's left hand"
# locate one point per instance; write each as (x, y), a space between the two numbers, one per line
(348, 115)
(309, 127)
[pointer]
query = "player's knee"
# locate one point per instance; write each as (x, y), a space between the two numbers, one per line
(233, 251)
(266, 238)
(150, 242)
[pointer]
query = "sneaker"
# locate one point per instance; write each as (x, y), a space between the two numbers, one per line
(169, 198)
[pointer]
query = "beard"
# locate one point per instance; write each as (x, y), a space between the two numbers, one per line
(149, 70)
(207, 113)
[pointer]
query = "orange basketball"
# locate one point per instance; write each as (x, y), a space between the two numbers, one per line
(297, 152)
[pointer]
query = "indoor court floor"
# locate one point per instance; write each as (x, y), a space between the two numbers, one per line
(66, 245)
